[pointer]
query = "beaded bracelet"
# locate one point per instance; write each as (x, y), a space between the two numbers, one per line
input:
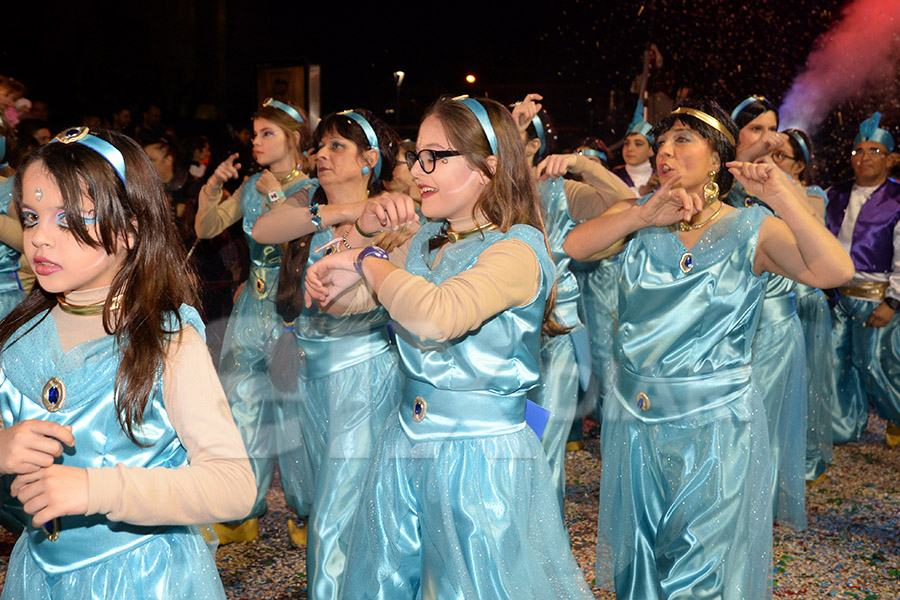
(314, 214)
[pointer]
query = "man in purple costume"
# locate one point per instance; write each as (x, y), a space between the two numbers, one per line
(864, 214)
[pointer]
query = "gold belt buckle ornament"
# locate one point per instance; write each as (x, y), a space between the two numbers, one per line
(643, 401)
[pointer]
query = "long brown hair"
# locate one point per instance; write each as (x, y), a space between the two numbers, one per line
(510, 197)
(155, 279)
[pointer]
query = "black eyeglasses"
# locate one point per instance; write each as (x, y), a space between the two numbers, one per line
(779, 156)
(427, 157)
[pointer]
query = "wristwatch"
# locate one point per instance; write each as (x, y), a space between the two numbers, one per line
(367, 252)
(893, 303)
(275, 196)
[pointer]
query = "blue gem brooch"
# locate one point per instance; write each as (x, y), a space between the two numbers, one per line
(53, 396)
(687, 262)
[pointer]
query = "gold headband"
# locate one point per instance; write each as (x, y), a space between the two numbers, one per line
(709, 120)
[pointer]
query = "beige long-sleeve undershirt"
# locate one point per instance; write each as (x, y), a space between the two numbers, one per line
(217, 485)
(215, 215)
(505, 275)
(600, 190)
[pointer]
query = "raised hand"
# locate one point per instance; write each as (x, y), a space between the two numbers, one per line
(555, 165)
(226, 170)
(30, 445)
(390, 210)
(765, 181)
(763, 146)
(266, 182)
(669, 205)
(524, 111)
(328, 278)
(51, 492)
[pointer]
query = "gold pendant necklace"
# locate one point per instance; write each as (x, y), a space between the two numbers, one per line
(453, 236)
(87, 309)
(682, 226)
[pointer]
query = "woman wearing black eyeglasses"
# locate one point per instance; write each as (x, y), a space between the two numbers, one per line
(779, 350)
(458, 501)
(348, 371)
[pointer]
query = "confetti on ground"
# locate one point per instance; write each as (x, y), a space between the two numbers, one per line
(851, 549)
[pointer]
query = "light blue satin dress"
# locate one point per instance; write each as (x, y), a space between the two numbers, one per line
(685, 494)
(351, 377)
(11, 294)
(565, 359)
(264, 416)
(93, 557)
(458, 501)
(779, 371)
(815, 319)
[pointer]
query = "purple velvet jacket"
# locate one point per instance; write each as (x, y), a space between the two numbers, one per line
(872, 250)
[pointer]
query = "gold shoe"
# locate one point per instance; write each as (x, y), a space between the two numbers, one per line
(892, 435)
(246, 531)
(816, 481)
(574, 445)
(297, 535)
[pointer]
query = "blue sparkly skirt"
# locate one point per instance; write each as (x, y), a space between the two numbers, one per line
(172, 566)
(815, 319)
(263, 415)
(779, 371)
(342, 416)
(460, 518)
(558, 393)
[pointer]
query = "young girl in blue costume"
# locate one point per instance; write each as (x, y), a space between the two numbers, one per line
(565, 360)
(685, 502)
(779, 349)
(263, 413)
(795, 159)
(458, 501)
(349, 371)
(114, 420)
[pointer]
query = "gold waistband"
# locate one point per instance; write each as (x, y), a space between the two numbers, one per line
(865, 290)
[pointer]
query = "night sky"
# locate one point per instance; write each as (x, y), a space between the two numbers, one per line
(91, 56)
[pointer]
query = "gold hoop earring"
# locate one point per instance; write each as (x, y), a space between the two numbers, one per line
(711, 188)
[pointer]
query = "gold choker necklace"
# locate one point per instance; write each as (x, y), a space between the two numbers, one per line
(297, 172)
(689, 227)
(454, 237)
(87, 309)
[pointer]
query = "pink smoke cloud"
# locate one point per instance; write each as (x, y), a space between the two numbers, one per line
(857, 56)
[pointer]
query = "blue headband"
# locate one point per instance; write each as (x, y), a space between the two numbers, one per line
(539, 129)
(744, 103)
(803, 147)
(592, 152)
(370, 135)
(284, 107)
(482, 116)
(870, 132)
(638, 124)
(83, 136)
